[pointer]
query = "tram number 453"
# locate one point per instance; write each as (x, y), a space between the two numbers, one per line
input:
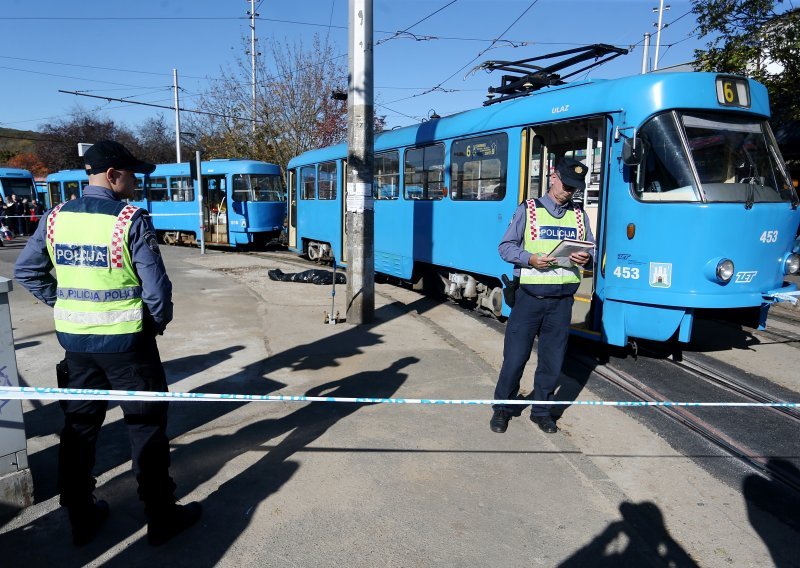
(769, 237)
(626, 272)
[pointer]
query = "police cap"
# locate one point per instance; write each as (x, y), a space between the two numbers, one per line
(572, 172)
(109, 154)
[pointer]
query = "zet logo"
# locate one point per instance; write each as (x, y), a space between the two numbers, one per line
(660, 274)
(745, 277)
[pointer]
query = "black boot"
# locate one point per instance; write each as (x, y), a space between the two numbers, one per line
(86, 521)
(165, 522)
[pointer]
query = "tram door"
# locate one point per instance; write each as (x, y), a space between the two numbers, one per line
(215, 209)
(291, 204)
(343, 185)
(582, 140)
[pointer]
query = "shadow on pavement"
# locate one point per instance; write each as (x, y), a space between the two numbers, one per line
(639, 539)
(772, 509)
(197, 462)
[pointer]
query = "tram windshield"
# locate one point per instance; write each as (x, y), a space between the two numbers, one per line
(257, 187)
(21, 187)
(731, 159)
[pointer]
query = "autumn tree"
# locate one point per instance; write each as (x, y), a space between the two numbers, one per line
(755, 39)
(294, 108)
(28, 161)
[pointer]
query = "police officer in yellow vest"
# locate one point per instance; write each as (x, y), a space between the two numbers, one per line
(111, 297)
(543, 301)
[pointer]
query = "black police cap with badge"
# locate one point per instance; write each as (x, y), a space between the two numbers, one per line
(572, 173)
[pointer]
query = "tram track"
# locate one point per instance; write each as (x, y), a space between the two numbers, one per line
(682, 415)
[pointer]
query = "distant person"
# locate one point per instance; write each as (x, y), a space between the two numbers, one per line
(73, 197)
(111, 297)
(16, 213)
(544, 298)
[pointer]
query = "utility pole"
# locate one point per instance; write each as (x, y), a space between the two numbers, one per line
(253, 54)
(177, 118)
(660, 9)
(646, 54)
(359, 217)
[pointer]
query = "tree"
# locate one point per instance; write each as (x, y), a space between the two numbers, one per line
(59, 148)
(294, 108)
(751, 38)
(28, 161)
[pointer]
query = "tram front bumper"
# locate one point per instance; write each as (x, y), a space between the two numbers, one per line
(788, 293)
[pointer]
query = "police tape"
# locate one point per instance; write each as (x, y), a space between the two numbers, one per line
(55, 393)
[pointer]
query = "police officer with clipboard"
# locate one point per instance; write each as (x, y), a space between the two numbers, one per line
(543, 301)
(110, 296)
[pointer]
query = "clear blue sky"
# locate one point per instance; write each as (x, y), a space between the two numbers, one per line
(128, 49)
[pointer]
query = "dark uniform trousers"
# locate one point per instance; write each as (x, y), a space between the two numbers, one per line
(140, 369)
(549, 317)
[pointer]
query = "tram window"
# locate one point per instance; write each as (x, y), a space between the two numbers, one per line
(266, 187)
(424, 173)
(386, 178)
(665, 173)
(327, 181)
(181, 189)
(308, 181)
(478, 168)
(54, 188)
(735, 159)
(138, 190)
(581, 140)
(72, 188)
(241, 188)
(157, 189)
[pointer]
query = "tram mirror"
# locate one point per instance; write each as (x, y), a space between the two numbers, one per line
(631, 152)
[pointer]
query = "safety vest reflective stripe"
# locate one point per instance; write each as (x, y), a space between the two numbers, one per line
(97, 318)
(51, 223)
(118, 235)
(88, 295)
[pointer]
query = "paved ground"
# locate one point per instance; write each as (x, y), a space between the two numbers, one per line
(296, 484)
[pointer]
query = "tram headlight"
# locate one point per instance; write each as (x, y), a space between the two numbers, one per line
(792, 264)
(724, 270)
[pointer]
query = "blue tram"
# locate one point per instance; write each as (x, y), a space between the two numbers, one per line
(689, 199)
(243, 200)
(15, 181)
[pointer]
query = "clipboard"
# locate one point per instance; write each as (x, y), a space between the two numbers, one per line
(568, 246)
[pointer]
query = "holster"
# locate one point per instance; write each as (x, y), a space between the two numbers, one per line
(62, 374)
(510, 289)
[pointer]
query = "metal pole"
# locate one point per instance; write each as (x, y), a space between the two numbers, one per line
(253, 58)
(360, 220)
(200, 202)
(177, 119)
(658, 31)
(646, 53)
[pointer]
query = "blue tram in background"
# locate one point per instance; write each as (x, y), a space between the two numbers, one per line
(14, 181)
(690, 201)
(243, 200)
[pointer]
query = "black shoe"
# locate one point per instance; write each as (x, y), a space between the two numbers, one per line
(499, 421)
(545, 423)
(86, 521)
(165, 524)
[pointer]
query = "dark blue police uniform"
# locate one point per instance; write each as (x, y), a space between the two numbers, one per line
(539, 309)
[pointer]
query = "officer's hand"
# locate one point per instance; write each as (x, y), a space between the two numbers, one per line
(542, 262)
(580, 257)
